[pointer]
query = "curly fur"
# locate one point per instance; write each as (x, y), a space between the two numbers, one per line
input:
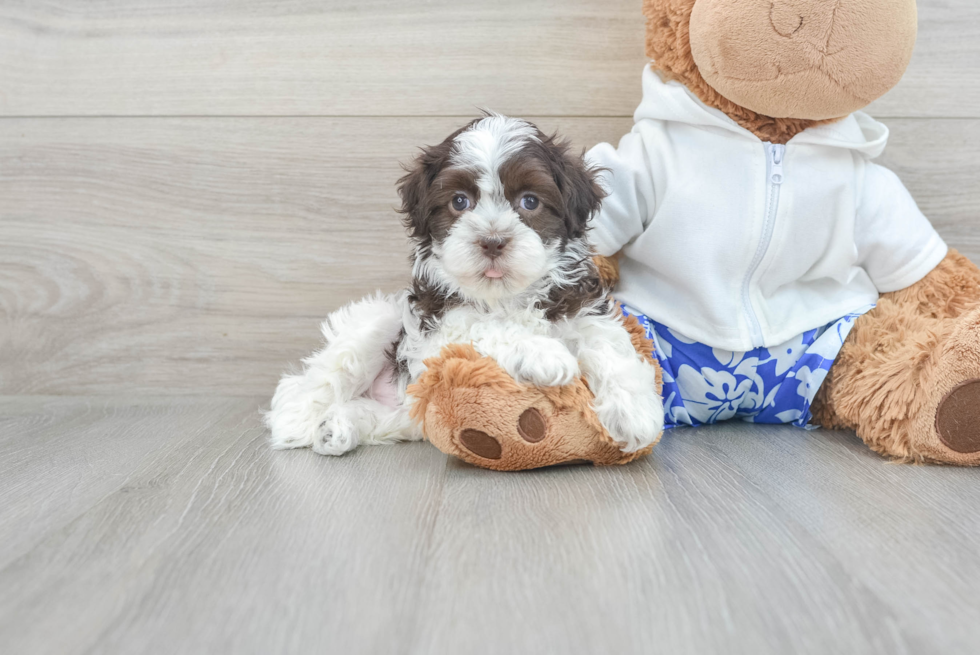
(902, 358)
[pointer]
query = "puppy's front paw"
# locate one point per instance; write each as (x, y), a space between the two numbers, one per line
(543, 363)
(634, 418)
(337, 434)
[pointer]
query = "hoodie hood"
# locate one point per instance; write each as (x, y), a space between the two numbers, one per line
(673, 102)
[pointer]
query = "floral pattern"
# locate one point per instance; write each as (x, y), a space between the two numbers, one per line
(766, 385)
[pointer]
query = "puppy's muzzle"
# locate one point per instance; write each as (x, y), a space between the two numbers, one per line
(493, 247)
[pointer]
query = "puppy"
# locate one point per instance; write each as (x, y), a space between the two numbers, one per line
(498, 214)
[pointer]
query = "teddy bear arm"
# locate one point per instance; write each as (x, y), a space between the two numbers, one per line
(608, 268)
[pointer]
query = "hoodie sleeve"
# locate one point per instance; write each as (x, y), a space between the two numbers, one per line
(896, 244)
(628, 180)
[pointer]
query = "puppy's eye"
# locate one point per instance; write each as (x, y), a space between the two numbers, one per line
(460, 202)
(530, 202)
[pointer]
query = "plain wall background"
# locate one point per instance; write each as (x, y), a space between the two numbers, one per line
(188, 188)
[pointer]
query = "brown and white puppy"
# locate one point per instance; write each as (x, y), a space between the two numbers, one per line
(498, 214)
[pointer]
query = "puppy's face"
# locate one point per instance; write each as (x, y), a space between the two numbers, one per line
(493, 207)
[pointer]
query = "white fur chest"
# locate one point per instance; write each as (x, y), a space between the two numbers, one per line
(489, 330)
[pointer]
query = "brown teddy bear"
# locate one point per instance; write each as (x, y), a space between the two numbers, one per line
(755, 231)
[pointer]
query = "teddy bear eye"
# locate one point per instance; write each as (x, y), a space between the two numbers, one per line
(530, 202)
(460, 202)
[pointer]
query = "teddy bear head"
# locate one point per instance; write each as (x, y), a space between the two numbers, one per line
(779, 66)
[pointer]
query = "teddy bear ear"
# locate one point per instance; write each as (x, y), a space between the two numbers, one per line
(579, 185)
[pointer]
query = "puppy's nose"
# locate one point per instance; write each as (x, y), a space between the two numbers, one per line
(493, 246)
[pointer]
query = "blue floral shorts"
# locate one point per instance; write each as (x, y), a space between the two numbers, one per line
(766, 385)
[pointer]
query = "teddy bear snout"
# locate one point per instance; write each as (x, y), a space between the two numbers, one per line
(802, 59)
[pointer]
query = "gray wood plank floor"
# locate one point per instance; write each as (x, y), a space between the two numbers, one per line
(165, 525)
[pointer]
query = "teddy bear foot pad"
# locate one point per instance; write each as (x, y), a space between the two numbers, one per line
(531, 426)
(958, 418)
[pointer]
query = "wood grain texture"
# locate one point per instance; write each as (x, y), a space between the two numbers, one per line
(218, 544)
(731, 539)
(199, 255)
(901, 531)
(302, 57)
(379, 57)
(943, 79)
(196, 255)
(58, 459)
(939, 162)
(624, 559)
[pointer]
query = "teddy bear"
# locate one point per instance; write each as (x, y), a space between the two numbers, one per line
(772, 269)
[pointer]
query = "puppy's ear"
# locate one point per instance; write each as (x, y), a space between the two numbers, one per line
(578, 183)
(584, 195)
(415, 186)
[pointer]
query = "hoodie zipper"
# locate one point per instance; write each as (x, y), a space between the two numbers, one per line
(775, 156)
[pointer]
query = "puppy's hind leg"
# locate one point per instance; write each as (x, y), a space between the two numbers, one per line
(364, 421)
(357, 338)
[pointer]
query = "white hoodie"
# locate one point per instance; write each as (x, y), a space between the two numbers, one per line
(741, 244)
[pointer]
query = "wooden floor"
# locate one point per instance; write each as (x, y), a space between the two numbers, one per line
(187, 188)
(168, 526)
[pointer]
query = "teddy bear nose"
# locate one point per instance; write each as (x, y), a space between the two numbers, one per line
(788, 16)
(493, 246)
(814, 18)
